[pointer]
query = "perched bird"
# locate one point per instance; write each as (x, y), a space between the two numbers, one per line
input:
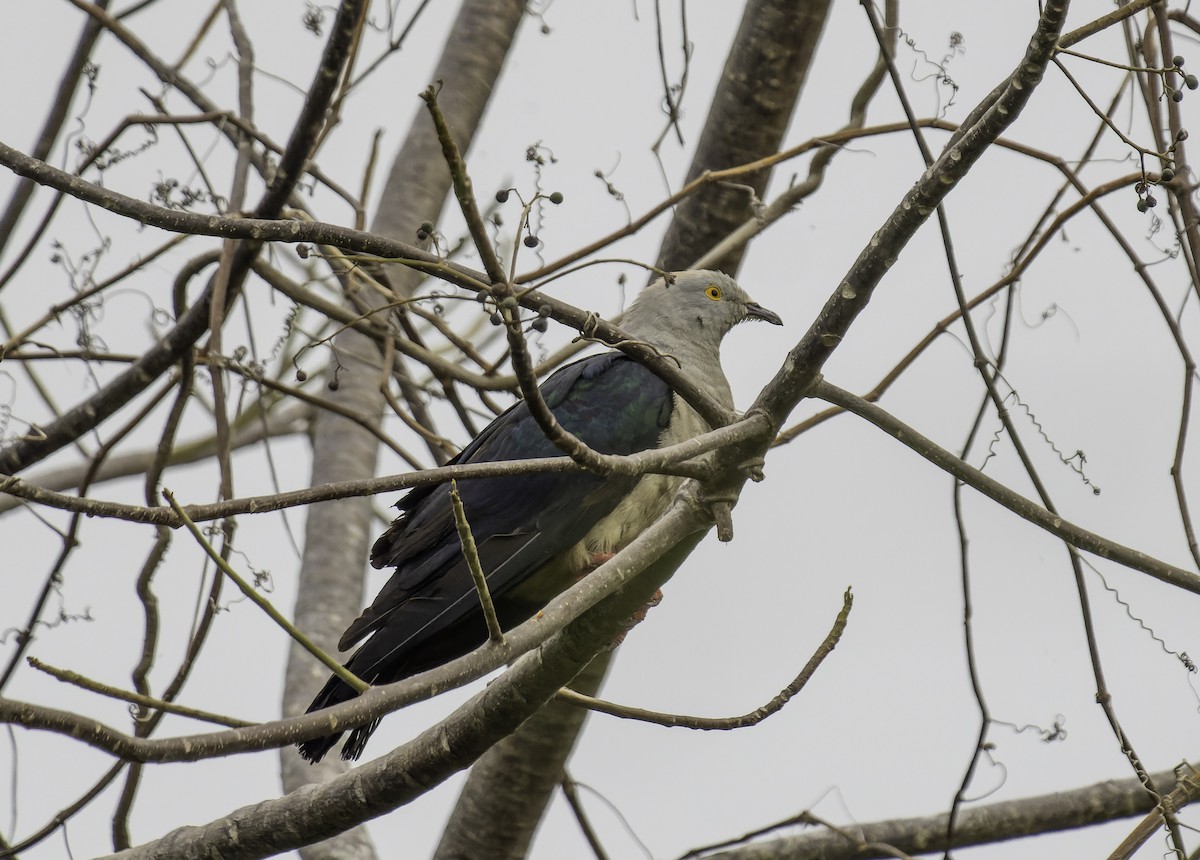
(538, 533)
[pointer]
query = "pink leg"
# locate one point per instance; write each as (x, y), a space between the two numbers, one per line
(638, 617)
(594, 561)
(597, 559)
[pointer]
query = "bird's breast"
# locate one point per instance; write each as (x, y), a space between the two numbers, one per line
(645, 503)
(636, 512)
(633, 515)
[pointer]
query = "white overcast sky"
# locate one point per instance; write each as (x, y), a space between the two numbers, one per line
(887, 726)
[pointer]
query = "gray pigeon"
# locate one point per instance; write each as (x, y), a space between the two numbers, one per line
(537, 534)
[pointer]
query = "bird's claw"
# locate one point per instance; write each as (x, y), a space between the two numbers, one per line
(636, 618)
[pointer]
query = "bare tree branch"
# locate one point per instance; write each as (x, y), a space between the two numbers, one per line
(68, 85)
(669, 460)
(316, 812)
(1074, 535)
(976, 825)
(764, 74)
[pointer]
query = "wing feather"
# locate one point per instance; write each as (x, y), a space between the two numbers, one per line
(519, 522)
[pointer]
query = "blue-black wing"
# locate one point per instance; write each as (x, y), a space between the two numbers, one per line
(428, 612)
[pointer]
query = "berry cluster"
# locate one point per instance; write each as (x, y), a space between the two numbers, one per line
(1189, 81)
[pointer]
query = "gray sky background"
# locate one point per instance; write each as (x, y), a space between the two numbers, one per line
(887, 726)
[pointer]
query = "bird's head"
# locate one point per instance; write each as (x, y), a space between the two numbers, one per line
(699, 304)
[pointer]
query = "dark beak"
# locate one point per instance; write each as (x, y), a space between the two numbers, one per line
(755, 311)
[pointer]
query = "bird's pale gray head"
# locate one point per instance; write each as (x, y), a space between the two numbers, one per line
(700, 305)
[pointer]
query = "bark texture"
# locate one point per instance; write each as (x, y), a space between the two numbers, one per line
(512, 783)
(505, 797)
(338, 534)
(975, 825)
(749, 115)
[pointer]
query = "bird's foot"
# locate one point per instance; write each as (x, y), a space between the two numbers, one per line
(637, 617)
(596, 559)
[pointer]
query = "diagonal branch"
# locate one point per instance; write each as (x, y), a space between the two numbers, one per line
(671, 538)
(315, 812)
(69, 83)
(463, 190)
(670, 460)
(1075, 535)
(724, 723)
(262, 603)
(91, 412)
(471, 554)
(978, 824)
(985, 124)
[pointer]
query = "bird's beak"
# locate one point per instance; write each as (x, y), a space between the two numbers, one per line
(755, 311)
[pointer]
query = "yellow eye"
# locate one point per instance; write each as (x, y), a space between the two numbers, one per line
(713, 292)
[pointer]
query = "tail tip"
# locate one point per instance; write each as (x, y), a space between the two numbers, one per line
(314, 750)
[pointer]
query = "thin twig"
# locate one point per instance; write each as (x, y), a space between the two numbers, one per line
(265, 605)
(1075, 535)
(563, 439)
(463, 191)
(1187, 791)
(585, 825)
(668, 460)
(150, 702)
(724, 723)
(471, 554)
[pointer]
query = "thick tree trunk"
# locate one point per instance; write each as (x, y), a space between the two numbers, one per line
(511, 785)
(337, 534)
(335, 544)
(505, 796)
(750, 114)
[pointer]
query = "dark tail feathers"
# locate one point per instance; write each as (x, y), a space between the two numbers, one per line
(334, 693)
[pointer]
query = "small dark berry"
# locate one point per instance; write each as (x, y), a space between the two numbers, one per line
(1177, 60)
(502, 195)
(556, 198)
(540, 324)
(531, 241)
(1191, 82)
(426, 226)
(1151, 201)
(302, 251)
(509, 302)
(1177, 96)
(422, 235)
(1139, 187)
(1167, 175)
(481, 297)
(334, 385)
(1142, 206)
(301, 376)
(544, 310)
(496, 318)
(1183, 134)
